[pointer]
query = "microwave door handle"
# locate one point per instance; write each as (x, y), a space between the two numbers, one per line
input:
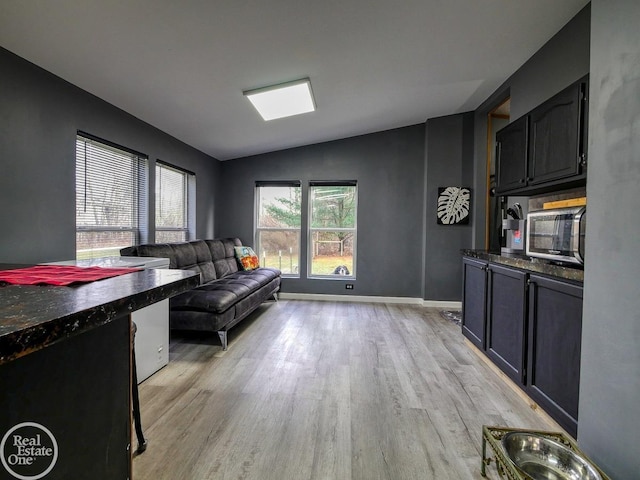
(556, 234)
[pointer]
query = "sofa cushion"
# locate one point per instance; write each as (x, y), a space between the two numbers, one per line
(159, 250)
(223, 253)
(245, 306)
(222, 294)
(195, 256)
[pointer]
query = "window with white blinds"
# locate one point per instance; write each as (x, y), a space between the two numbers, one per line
(110, 197)
(173, 187)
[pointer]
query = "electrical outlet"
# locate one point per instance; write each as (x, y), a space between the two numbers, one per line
(349, 286)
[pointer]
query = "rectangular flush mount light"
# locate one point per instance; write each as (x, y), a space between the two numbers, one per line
(283, 100)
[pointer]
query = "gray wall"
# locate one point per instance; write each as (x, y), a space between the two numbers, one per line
(449, 162)
(609, 428)
(389, 169)
(39, 117)
(560, 62)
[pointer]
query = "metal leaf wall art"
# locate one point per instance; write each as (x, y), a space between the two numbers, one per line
(453, 205)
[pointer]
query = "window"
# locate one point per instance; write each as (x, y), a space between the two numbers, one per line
(332, 228)
(175, 190)
(278, 207)
(110, 197)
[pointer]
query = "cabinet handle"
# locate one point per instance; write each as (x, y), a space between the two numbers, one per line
(522, 180)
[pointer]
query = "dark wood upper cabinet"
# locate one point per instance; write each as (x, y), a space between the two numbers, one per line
(545, 149)
(555, 137)
(511, 156)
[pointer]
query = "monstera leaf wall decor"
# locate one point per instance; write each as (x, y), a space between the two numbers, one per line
(454, 204)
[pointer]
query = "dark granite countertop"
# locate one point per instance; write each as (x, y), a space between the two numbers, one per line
(35, 316)
(530, 264)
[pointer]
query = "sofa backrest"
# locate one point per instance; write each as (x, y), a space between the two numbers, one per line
(211, 258)
(224, 255)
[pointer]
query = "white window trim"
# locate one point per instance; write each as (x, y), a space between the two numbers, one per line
(189, 202)
(257, 229)
(140, 197)
(312, 230)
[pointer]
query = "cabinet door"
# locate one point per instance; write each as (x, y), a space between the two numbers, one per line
(555, 137)
(474, 297)
(79, 390)
(555, 329)
(506, 317)
(511, 156)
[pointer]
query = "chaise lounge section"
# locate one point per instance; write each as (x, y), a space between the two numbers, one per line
(226, 295)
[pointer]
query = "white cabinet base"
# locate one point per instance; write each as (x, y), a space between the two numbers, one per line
(152, 338)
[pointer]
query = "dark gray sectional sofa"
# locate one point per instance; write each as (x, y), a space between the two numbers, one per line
(227, 294)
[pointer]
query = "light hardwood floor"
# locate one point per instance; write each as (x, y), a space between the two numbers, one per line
(325, 390)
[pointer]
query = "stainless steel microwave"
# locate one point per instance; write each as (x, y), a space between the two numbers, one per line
(557, 235)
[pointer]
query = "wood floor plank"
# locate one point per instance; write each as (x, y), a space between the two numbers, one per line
(325, 390)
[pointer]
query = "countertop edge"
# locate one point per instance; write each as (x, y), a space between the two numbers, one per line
(23, 341)
(528, 264)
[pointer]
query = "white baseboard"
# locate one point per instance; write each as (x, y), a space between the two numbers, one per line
(449, 305)
(369, 299)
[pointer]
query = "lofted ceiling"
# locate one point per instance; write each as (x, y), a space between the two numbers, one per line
(374, 65)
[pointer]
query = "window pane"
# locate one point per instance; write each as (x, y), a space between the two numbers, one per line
(332, 229)
(106, 186)
(333, 207)
(280, 249)
(278, 207)
(164, 236)
(278, 227)
(102, 244)
(332, 253)
(171, 198)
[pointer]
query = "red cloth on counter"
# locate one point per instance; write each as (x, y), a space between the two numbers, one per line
(60, 274)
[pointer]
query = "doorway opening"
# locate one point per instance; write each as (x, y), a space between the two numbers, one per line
(497, 118)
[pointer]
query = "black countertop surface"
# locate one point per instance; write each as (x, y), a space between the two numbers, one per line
(34, 316)
(530, 264)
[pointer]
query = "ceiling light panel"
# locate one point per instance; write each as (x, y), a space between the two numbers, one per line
(283, 100)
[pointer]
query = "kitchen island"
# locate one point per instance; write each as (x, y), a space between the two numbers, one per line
(65, 373)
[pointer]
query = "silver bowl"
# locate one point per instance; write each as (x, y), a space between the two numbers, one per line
(541, 458)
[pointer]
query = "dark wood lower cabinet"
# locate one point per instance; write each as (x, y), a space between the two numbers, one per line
(555, 330)
(530, 326)
(474, 304)
(506, 318)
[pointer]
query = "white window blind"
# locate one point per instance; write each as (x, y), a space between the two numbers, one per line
(172, 203)
(110, 198)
